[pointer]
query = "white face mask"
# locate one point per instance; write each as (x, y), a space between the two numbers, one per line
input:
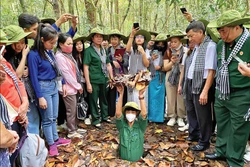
(130, 117)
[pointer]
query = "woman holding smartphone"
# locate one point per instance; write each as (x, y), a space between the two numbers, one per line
(138, 58)
(172, 65)
(156, 97)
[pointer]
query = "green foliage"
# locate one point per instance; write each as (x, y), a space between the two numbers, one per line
(153, 15)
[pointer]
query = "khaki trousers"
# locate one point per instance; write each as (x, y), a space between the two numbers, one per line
(71, 108)
(175, 102)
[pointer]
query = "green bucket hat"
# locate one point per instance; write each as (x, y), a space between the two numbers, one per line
(131, 105)
(176, 33)
(94, 31)
(15, 33)
(48, 20)
(212, 32)
(78, 37)
(153, 33)
(144, 33)
(185, 40)
(117, 32)
(161, 38)
(4, 39)
(228, 18)
(247, 24)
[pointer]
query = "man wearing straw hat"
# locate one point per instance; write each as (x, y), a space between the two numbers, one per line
(232, 97)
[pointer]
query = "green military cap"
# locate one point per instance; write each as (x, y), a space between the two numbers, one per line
(131, 105)
(228, 18)
(118, 33)
(78, 37)
(94, 31)
(48, 20)
(4, 39)
(176, 33)
(15, 33)
(161, 38)
(212, 32)
(144, 33)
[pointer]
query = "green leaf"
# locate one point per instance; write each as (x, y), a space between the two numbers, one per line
(212, 8)
(158, 1)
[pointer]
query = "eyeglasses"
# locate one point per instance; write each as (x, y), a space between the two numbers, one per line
(139, 36)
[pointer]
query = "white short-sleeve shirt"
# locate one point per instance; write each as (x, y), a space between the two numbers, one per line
(210, 60)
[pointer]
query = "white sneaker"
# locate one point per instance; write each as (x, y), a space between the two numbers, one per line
(74, 134)
(247, 148)
(247, 156)
(81, 131)
(182, 129)
(87, 121)
(180, 122)
(171, 122)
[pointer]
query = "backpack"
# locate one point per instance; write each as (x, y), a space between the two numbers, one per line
(33, 151)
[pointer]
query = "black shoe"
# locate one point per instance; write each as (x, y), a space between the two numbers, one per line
(199, 148)
(214, 156)
(192, 139)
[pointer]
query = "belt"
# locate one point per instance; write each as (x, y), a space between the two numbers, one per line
(238, 89)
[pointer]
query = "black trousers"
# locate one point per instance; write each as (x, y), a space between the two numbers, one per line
(199, 116)
(62, 111)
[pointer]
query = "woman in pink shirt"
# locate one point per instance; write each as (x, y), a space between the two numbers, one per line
(71, 75)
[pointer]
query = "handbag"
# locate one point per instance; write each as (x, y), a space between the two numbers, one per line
(82, 107)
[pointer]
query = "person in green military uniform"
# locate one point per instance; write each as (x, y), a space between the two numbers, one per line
(232, 97)
(131, 122)
(245, 70)
(97, 69)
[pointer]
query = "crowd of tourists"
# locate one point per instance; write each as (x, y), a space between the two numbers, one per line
(200, 82)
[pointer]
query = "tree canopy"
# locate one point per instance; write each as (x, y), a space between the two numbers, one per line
(153, 15)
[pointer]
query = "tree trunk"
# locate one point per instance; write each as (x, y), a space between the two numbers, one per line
(248, 7)
(117, 14)
(91, 12)
(71, 9)
(62, 7)
(23, 5)
(44, 8)
(79, 20)
(111, 14)
(56, 8)
(71, 6)
(140, 11)
(156, 18)
(125, 16)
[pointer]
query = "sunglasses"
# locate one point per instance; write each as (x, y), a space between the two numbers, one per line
(139, 36)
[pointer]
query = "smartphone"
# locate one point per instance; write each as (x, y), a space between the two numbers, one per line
(136, 25)
(183, 10)
(155, 52)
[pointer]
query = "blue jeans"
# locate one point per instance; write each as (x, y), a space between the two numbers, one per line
(34, 118)
(49, 115)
